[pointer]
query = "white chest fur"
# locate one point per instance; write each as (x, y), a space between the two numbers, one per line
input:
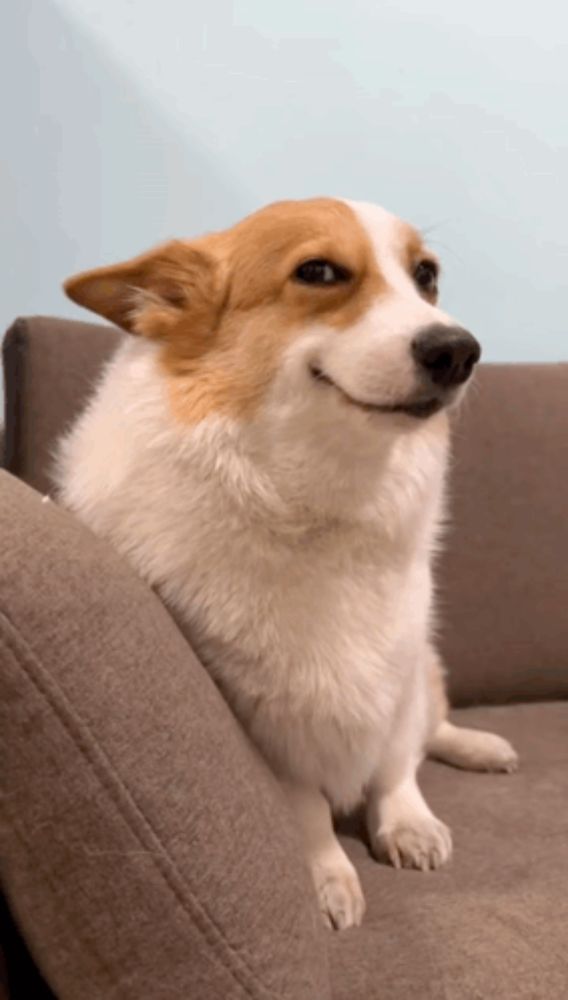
(312, 622)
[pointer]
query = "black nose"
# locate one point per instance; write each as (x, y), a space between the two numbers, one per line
(446, 353)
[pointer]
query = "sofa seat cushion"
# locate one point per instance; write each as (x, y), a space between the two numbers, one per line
(494, 922)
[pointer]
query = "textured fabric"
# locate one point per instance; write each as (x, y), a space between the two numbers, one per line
(494, 923)
(86, 883)
(145, 848)
(49, 369)
(503, 581)
(504, 577)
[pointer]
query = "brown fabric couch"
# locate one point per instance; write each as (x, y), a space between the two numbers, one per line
(145, 848)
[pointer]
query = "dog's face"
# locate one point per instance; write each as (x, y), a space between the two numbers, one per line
(323, 305)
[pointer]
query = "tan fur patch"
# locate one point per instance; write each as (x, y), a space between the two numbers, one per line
(149, 294)
(263, 309)
(225, 306)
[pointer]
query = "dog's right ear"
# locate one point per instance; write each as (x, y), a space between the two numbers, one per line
(150, 294)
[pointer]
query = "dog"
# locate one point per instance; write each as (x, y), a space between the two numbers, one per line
(269, 451)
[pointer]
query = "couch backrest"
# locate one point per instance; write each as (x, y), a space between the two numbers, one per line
(503, 578)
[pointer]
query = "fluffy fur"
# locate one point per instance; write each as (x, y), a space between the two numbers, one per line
(236, 452)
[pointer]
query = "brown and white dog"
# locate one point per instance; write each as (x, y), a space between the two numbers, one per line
(268, 450)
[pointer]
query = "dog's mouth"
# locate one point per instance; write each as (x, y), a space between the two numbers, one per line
(420, 408)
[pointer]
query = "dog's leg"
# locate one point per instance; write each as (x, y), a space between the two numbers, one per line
(401, 825)
(471, 749)
(339, 892)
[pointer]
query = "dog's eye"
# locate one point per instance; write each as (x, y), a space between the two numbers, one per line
(426, 275)
(321, 272)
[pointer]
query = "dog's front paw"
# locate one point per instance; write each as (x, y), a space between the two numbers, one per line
(341, 899)
(422, 842)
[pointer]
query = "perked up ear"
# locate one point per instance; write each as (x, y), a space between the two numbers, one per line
(151, 293)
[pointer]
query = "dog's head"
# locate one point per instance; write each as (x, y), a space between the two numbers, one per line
(323, 305)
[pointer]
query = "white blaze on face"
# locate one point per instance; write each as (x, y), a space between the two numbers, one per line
(387, 235)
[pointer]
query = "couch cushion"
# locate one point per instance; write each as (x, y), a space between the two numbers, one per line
(145, 848)
(494, 922)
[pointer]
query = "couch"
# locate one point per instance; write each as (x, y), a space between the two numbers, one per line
(146, 850)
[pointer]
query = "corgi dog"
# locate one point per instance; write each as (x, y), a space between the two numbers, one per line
(268, 449)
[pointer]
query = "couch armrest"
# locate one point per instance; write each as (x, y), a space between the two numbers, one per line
(145, 847)
(50, 366)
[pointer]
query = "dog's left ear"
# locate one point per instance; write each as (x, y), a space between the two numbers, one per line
(150, 294)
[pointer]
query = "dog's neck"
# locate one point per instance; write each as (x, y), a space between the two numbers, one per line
(298, 483)
(287, 472)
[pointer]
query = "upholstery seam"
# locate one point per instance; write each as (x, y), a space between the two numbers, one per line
(90, 748)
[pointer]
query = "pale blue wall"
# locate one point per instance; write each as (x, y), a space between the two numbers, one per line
(127, 121)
